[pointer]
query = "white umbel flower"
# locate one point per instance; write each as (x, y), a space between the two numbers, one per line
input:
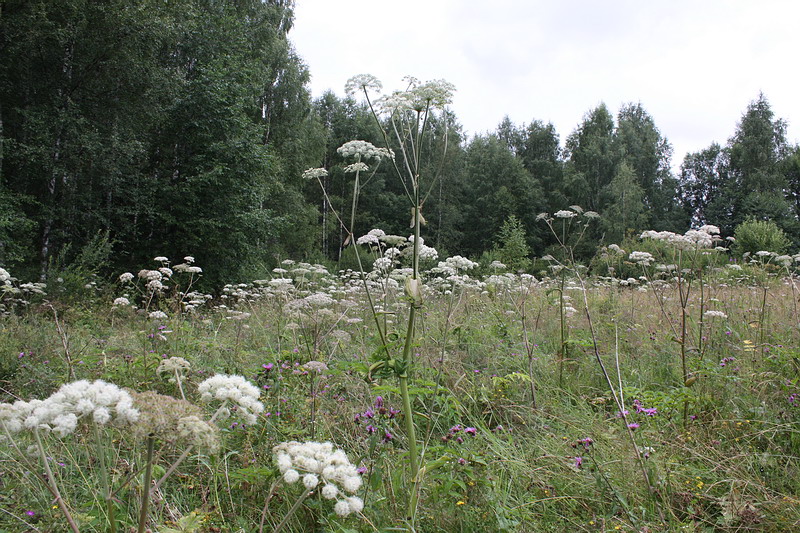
(321, 463)
(235, 389)
(60, 413)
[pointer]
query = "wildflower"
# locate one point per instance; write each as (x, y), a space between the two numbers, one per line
(291, 476)
(121, 302)
(329, 491)
(563, 213)
(356, 167)
(173, 364)
(157, 315)
(435, 93)
(361, 150)
(578, 461)
(615, 249)
(633, 425)
(61, 412)
(643, 258)
(342, 508)
(362, 82)
(715, 314)
(125, 277)
(316, 366)
(235, 389)
(314, 173)
(160, 259)
(310, 481)
(321, 464)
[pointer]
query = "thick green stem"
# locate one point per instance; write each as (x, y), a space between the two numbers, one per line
(403, 376)
(148, 478)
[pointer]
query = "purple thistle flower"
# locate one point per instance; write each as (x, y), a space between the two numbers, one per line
(471, 431)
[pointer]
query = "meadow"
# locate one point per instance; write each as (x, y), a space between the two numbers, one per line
(663, 400)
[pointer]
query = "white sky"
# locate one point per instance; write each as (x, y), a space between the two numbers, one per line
(694, 65)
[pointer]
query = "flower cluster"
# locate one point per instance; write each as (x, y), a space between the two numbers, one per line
(703, 237)
(362, 82)
(372, 237)
(455, 433)
(380, 415)
(172, 365)
(363, 150)
(61, 412)
(314, 173)
(319, 463)
(643, 258)
(234, 389)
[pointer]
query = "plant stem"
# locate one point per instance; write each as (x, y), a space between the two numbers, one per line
(186, 452)
(53, 485)
(300, 500)
(148, 478)
(101, 455)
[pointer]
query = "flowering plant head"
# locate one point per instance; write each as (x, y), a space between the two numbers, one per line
(236, 390)
(362, 82)
(62, 410)
(319, 462)
(314, 173)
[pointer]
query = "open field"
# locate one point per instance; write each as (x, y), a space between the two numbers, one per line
(517, 428)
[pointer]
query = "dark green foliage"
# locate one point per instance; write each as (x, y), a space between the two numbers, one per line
(592, 160)
(752, 176)
(497, 185)
(756, 235)
(625, 208)
(511, 246)
(175, 127)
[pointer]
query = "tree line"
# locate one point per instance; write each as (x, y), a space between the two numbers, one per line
(134, 128)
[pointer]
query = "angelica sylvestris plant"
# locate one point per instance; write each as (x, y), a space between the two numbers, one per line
(237, 397)
(98, 403)
(319, 466)
(175, 366)
(682, 259)
(404, 118)
(148, 286)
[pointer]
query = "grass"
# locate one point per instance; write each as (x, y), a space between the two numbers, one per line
(734, 465)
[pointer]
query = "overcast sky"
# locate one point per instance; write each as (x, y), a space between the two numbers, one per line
(693, 64)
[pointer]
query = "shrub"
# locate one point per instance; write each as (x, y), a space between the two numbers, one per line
(756, 235)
